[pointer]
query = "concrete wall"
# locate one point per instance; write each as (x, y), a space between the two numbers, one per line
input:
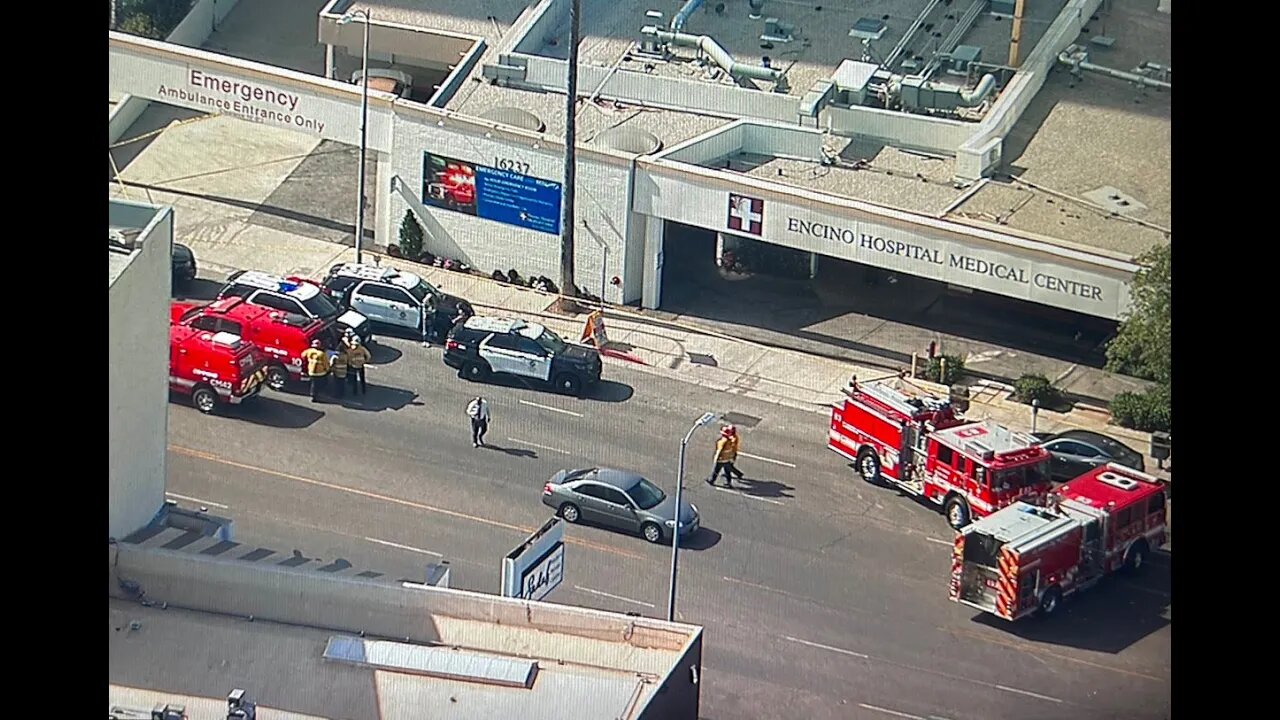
(979, 155)
(680, 695)
(194, 29)
(601, 202)
(474, 621)
(137, 373)
(917, 132)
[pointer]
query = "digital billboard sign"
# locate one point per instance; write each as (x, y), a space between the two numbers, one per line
(492, 194)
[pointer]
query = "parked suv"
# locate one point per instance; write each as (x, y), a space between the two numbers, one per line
(393, 298)
(293, 295)
(484, 345)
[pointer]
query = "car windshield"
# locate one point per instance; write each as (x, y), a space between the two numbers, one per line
(192, 313)
(320, 306)
(1022, 477)
(422, 290)
(646, 494)
(552, 343)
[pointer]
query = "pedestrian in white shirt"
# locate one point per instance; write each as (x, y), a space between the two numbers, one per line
(478, 411)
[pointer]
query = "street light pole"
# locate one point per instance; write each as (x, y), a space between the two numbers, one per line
(675, 533)
(364, 124)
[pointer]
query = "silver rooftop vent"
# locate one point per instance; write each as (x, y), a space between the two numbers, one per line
(629, 140)
(515, 117)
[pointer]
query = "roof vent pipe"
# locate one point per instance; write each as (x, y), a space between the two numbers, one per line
(970, 98)
(757, 8)
(718, 55)
(1077, 58)
(677, 22)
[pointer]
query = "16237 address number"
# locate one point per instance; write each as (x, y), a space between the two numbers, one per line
(510, 165)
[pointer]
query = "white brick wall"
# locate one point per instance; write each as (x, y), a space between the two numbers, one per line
(601, 202)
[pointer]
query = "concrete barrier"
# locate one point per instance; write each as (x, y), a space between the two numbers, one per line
(194, 29)
(384, 609)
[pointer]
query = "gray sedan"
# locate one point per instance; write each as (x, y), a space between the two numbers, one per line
(619, 499)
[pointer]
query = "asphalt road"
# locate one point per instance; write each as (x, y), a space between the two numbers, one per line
(822, 597)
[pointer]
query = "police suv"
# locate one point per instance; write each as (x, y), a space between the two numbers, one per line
(293, 295)
(392, 298)
(484, 345)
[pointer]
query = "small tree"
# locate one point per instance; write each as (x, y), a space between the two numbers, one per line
(410, 236)
(945, 373)
(1038, 388)
(1142, 346)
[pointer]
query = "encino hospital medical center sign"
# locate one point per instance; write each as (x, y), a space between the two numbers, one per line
(243, 89)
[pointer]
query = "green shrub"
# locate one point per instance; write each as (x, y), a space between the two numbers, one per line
(1037, 388)
(933, 369)
(1147, 411)
(141, 26)
(151, 18)
(410, 236)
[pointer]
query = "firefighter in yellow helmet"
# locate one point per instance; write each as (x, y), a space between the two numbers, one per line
(726, 455)
(315, 362)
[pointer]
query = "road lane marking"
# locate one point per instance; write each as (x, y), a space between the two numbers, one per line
(197, 501)
(940, 542)
(540, 447)
(765, 459)
(615, 597)
(552, 409)
(1032, 650)
(746, 495)
(396, 501)
(887, 711)
(1028, 693)
(403, 547)
(842, 651)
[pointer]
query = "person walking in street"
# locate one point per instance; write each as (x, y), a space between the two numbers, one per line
(316, 362)
(357, 356)
(478, 411)
(338, 366)
(726, 454)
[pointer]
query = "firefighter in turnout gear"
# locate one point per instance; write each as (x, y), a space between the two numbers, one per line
(726, 454)
(316, 363)
(358, 355)
(341, 361)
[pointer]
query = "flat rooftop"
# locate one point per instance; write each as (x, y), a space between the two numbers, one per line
(117, 261)
(1087, 165)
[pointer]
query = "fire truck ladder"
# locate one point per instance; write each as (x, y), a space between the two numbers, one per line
(901, 401)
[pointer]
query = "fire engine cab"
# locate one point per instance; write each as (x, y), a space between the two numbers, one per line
(1026, 559)
(213, 368)
(897, 433)
(280, 335)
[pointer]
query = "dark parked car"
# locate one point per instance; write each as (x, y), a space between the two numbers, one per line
(618, 499)
(1075, 452)
(184, 264)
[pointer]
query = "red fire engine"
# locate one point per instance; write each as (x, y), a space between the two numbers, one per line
(1025, 559)
(896, 433)
(213, 368)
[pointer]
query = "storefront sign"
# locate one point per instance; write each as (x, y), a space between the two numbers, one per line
(500, 195)
(244, 100)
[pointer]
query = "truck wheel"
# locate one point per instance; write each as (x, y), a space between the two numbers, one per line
(869, 465)
(570, 513)
(957, 511)
(1136, 558)
(1050, 601)
(277, 377)
(475, 371)
(568, 384)
(205, 399)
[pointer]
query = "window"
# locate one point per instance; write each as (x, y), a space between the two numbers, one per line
(944, 455)
(1156, 504)
(552, 342)
(961, 463)
(590, 490)
(614, 496)
(1124, 517)
(422, 290)
(231, 326)
(378, 292)
(340, 285)
(276, 302)
(400, 296)
(206, 322)
(320, 306)
(1070, 447)
(525, 345)
(502, 341)
(646, 494)
(236, 291)
(1092, 531)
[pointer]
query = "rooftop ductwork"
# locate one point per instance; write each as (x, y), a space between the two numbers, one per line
(1077, 58)
(712, 49)
(682, 16)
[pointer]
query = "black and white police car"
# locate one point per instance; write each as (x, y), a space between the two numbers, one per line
(393, 298)
(293, 295)
(484, 345)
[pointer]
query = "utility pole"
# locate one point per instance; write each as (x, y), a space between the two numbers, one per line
(568, 284)
(1015, 37)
